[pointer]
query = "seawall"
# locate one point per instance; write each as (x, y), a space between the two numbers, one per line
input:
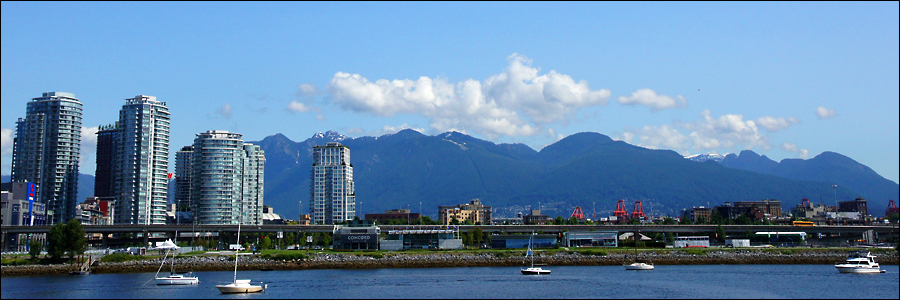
(453, 259)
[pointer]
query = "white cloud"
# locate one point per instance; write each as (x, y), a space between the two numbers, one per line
(88, 148)
(708, 133)
(650, 98)
(825, 113)
(295, 106)
(773, 124)
(6, 141)
(307, 90)
(394, 129)
(516, 102)
(225, 111)
(791, 147)
(320, 118)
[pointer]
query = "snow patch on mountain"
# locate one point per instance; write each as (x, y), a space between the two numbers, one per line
(707, 156)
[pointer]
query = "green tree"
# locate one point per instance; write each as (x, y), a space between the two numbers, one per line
(893, 217)
(559, 220)
(265, 243)
(454, 221)
(56, 240)
(716, 218)
(467, 238)
(634, 221)
(701, 220)
(668, 221)
(720, 234)
(76, 242)
(478, 235)
(685, 221)
(35, 248)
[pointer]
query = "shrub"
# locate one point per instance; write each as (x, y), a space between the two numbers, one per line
(119, 257)
(592, 252)
(286, 256)
(695, 251)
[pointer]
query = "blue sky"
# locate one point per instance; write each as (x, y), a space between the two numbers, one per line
(784, 79)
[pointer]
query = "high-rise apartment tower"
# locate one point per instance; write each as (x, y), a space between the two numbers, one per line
(331, 190)
(139, 161)
(46, 151)
(225, 178)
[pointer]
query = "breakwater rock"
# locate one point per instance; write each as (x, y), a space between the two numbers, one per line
(457, 259)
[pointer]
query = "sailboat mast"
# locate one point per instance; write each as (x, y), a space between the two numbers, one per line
(237, 251)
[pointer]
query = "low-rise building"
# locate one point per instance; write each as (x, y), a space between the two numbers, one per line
(394, 214)
(96, 211)
(19, 208)
(356, 235)
(534, 217)
(507, 241)
(696, 213)
(474, 212)
(857, 205)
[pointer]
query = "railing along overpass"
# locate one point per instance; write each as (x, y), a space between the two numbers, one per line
(108, 229)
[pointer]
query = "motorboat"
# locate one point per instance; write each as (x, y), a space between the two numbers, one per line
(859, 262)
(240, 285)
(532, 270)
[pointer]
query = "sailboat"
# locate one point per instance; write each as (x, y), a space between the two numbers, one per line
(638, 264)
(173, 278)
(240, 285)
(532, 270)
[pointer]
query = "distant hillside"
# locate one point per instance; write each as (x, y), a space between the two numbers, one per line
(586, 169)
(827, 168)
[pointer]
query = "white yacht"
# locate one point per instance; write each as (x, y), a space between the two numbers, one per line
(859, 262)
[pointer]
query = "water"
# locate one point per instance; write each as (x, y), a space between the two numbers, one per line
(699, 281)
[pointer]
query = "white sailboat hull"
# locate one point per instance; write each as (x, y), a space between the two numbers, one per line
(240, 286)
(639, 266)
(177, 280)
(535, 271)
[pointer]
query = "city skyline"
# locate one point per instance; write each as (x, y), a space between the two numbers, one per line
(786, 80)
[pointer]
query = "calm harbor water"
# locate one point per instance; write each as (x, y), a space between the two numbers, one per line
(696, 281)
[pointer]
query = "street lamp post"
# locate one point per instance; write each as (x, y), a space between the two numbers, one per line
(835, 195)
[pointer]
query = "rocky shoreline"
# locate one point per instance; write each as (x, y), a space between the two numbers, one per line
(450, 259)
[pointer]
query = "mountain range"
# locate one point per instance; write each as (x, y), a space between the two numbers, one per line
(412, 170)
(590, 170)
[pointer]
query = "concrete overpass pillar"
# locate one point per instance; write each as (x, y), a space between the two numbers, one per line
(146, 239)
(105, 240)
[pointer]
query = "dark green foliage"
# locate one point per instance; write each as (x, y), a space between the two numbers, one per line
(75, 239)
(590, 252)
(56, 241)
(265, 243)
(478, 235)
(120, 257)
(720, 234)
(35, 249)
